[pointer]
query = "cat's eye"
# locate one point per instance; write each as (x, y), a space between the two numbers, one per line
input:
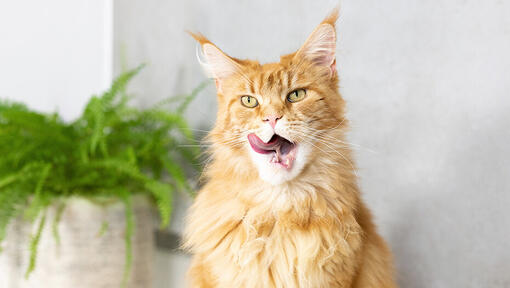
(249, 101)
(296, 95)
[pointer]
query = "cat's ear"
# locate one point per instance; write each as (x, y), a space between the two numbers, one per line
(320, 46)
(215, 62)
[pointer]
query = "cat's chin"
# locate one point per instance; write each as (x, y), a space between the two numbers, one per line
(274, 171)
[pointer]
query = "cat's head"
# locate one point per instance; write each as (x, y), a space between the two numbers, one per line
(270, 115)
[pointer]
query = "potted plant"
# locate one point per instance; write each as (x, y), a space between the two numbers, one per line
(92, 183)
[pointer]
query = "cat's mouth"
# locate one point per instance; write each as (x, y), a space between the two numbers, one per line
(283, 151)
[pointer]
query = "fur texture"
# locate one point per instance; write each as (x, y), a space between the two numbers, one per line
(256, 224)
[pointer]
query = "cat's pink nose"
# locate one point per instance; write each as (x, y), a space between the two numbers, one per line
(272, 119)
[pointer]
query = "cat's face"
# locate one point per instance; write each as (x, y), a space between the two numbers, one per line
(270, 115)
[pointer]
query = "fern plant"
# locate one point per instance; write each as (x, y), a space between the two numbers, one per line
(112, 152)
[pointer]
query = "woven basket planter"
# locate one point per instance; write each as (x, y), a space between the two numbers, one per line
(91, 253)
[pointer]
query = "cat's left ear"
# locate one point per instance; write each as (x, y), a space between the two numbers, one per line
(217, 64)
(320, 46)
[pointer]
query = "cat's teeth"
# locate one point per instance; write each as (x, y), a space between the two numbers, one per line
(287, 162)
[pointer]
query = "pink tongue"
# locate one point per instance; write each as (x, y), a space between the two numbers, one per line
(276, 144)
(260, 146)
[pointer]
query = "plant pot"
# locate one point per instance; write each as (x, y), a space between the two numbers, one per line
(88, 254)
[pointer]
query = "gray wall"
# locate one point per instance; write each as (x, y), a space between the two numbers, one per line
(427, 89)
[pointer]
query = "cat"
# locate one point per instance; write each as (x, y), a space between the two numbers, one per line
(281, 206)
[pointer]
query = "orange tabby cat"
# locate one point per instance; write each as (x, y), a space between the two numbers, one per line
(281, 206)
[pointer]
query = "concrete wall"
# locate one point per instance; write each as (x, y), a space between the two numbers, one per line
(427, 89)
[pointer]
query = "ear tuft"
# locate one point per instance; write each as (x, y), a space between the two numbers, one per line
(199, 37)
(332, 17)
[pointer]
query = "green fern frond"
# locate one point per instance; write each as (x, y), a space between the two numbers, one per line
(56, 221)
(34, 244)
(96, 116)
(10, 206)
(121, 166)
(6, 180)
(163, 197)
(38, 201)
(128, 236)
(187, 100)
(102, 230)
(119, 85)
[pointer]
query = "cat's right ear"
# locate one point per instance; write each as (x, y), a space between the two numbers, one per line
(217, 64)
(320, 46)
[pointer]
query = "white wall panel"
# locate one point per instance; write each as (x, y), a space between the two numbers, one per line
(55, 54)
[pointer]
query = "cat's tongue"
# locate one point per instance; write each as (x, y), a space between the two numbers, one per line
(262, 147)
(282, 149)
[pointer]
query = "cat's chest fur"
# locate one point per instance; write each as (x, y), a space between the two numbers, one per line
(311, 245)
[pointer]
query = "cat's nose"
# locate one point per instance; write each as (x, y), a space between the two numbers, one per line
(272, 119)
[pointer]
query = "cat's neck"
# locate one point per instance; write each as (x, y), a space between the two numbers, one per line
(327, 183)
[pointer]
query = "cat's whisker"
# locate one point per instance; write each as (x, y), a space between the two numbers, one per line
(228, 138)
(207, 160)
(343, 156)
(233, 142)
(317, 138)
(320, 134)
(332, 140)
(338, 125)
(198, 130)
(308, 137)
(327, 143)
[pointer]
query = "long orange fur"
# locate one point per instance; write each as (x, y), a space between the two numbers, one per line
(312, 231)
